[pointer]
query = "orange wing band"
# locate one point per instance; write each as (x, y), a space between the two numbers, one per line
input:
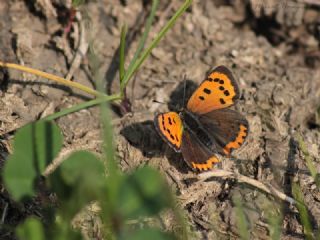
(238, 142)
(205, 166)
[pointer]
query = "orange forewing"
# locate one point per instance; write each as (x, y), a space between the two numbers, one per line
(218, 91)
(170, 127)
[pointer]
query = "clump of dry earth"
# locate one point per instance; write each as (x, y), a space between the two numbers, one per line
(272, 49)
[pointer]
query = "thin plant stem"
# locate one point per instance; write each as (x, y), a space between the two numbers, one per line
(122, 50)
(144, 37)
(308, 159)
(81, 106)
(130, 72)
(53, 78)
(303, 211)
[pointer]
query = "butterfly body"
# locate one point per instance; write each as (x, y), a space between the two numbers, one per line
(192, 124)
(207, 125)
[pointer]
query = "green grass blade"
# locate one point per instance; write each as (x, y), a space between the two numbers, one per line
(303, 211)
(81, 106)
(122, 50)
(114, 177)
(308, 160)
(109, 158)
(144, 37)
(181, 218)
(107, 136)
(108, 139)
(154, 43)
(242, 222)
(274, 220)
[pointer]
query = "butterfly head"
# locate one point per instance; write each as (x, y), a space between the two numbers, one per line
(180, 95)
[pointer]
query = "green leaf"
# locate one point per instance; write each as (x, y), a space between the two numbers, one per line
(31, 229)
(78, 180)
(63, 230)
(35, 146)
(154, 234)
(82, 166)
(143, 193)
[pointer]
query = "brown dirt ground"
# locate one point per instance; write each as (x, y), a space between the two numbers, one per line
(273, 50)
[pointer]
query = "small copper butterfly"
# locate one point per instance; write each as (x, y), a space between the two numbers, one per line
(207, 125)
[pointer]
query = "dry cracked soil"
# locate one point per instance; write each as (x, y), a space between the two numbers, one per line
(272, 47)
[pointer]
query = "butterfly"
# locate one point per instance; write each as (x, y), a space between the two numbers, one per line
(207, 125)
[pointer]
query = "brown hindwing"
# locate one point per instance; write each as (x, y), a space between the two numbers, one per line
(228, 128)
(197, 156)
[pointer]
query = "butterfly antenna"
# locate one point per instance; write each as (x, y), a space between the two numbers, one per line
(156, 101)
(184, 90)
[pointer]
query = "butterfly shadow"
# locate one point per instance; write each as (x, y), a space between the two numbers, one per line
(144, 136)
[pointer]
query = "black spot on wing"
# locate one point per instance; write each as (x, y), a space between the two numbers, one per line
(162, 122)
(207, 91)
